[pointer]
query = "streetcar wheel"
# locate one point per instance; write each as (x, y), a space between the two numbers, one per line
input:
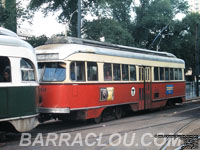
(98, 119)
(170, 104)
(118, 112)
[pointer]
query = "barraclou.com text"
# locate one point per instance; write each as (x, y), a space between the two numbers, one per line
(92, 139)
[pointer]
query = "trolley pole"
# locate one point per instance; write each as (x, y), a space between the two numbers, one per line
(197, 59)
(79, 20)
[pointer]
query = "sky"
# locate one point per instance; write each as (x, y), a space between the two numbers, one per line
(43, 25)
(47, 25)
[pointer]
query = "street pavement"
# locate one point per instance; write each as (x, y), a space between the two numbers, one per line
(134, 132)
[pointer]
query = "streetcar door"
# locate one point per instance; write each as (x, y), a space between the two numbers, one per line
(147, 88)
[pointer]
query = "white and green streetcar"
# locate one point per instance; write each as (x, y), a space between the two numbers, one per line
(18, 83)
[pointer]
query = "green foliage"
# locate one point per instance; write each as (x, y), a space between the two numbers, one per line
(152, 17)
(68, 7)
(114, 21)
(121, 11)
(3, 15)
(188, 42)
(37, 41)
(182, 41)
(111, 30)
(11, 12)
(114, 25)
(11, 21)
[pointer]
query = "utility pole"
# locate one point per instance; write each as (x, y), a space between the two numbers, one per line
(197, 59)
(79, 20)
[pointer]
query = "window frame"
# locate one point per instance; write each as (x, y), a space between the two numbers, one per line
(75, 71)
(97, 72)
(162, 73)
(120, 77)
(180, 70)
(170, 77)
(128, 72)
(110, 72)
(135, 74)
(168, 70)
(141, 73)
(176, 73)
(158, 73)
(27, 69)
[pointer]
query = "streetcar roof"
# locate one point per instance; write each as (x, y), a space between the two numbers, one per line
(12, 46)
(66, 47)
(9, 38)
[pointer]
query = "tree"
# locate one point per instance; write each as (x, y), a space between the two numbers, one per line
(113, 22)
(182, 40)
(154, 16)
(108, 29)
(3, 14)
(11, 21)
(67, 8)
(10, 12)
(117, 10)
(37, 41)
(188, 39)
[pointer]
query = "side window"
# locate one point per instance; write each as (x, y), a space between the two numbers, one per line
(180, 74)
(156, 74)
(132, 73)
(116, 72)
(27, 70)
(161, 73)
(125, 73)
(77, 71)
(171, 74)
(107, 72)
(92, 71)
(141, 74)
(176, 74)
(5, 69)
(166, 73)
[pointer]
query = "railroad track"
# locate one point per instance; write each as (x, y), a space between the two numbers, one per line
(109, 124)
(123, 122)
(181, 147)
(122, 133)
(165, 145)
(129, 130)
(146, 127)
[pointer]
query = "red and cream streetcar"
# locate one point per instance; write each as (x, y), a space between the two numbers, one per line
(81, 79)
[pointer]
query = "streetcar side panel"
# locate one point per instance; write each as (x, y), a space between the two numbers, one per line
(18, 82)
(79, 93)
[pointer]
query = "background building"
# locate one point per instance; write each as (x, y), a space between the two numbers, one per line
(194, 5)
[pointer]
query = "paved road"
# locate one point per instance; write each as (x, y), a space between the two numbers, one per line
(135, 131)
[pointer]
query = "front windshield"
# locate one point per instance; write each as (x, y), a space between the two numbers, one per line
(52, 72)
